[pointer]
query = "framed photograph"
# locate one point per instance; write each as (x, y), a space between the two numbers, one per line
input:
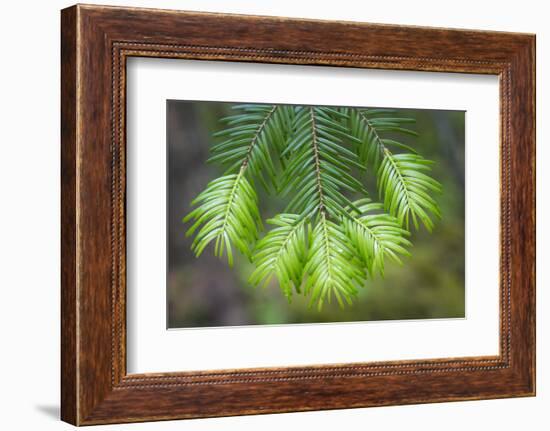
(264, 215)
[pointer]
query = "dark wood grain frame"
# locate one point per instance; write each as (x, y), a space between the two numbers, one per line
(96, 42)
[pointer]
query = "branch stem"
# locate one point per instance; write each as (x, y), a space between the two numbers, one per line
(317, 161)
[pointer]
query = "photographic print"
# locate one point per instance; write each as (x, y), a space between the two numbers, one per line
(281, 214)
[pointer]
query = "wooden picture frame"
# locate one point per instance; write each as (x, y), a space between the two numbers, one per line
(95, 43)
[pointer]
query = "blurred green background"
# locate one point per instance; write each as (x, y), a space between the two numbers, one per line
(206, 292)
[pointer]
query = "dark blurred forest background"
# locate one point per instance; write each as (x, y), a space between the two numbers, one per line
(207, 292)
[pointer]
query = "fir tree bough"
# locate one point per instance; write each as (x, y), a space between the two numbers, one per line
(324, 245)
